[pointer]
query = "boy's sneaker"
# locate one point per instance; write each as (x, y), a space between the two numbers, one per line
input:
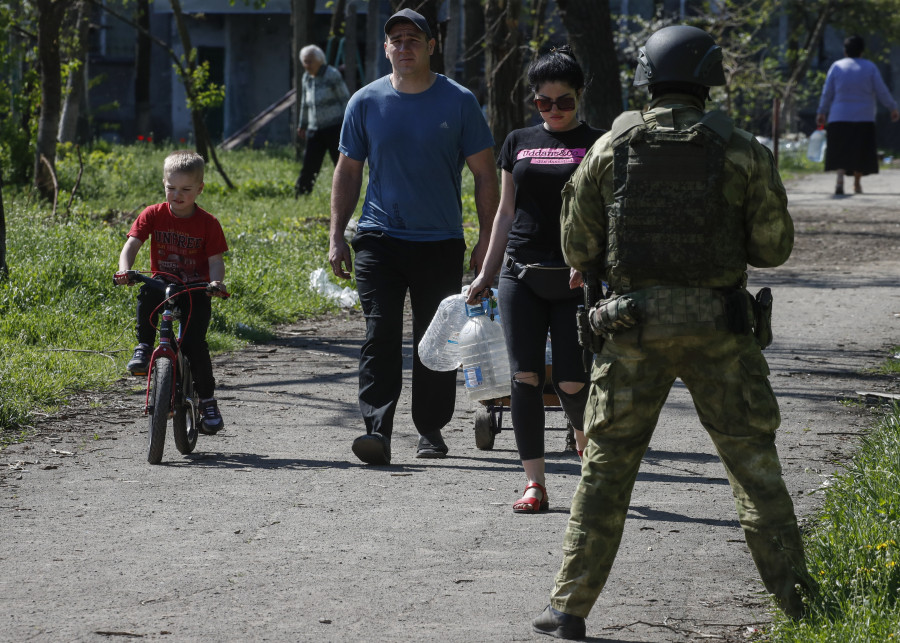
(210, 419)
(140, 361)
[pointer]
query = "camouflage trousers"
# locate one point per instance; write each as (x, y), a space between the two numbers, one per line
(727, 377)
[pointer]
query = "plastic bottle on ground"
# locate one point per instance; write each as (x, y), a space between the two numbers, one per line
(485, 362)
(439, 346)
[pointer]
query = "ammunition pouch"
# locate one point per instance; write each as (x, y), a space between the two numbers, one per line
(739, 312)
(747, 314)
(590, 341)
(665, 311)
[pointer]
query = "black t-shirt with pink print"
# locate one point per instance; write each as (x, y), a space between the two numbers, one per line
(541, 162)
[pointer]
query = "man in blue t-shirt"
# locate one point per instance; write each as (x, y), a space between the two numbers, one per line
(416, 129)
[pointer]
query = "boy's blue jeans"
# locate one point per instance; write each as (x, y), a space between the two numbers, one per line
(386, 269)
(194, 344)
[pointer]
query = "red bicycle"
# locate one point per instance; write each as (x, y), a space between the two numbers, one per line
(170, 384)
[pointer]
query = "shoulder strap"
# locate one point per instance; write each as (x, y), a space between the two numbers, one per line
(718, 122)
(625, 122)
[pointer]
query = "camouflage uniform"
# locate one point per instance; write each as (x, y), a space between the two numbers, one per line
(683, 336)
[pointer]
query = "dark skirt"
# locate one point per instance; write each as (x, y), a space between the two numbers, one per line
(851, 147)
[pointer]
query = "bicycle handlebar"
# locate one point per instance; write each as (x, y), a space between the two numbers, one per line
(135, 275)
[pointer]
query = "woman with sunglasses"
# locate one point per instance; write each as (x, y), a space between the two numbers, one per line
(538, 292)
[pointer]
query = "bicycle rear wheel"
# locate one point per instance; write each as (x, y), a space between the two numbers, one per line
(161, 394)
(184, 422)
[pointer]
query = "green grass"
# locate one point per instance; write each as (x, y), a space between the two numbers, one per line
(891, 366)
(794, 165)
(853, 550)
(64, 327)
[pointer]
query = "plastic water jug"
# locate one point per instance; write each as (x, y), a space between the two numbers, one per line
(439, 346)
(815, 150)
(482, 350)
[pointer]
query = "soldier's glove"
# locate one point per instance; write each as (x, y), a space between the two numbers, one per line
(612, 315)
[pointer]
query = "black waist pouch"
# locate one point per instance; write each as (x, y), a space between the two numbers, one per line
(546, 281)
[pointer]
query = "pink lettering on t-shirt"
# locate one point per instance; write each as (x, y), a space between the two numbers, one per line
(553, 155)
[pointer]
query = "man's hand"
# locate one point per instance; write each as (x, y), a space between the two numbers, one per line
(476, 261)
(301, 133)
(895, 116)
(345, 187)
(487, 197)
(820, 120)
(339, 258)
(121, 278)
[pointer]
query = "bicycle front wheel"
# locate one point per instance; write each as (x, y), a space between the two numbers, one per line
(162, 404)
(184, 422)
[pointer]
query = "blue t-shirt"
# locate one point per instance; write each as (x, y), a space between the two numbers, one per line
(416, 145)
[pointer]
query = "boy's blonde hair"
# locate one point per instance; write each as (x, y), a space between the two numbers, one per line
(184, 161)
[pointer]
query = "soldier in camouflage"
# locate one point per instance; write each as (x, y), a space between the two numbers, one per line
(676, 307)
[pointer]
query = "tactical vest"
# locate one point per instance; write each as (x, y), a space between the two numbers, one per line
(670, 223)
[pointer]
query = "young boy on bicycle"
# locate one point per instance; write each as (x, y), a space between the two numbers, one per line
(186, 245)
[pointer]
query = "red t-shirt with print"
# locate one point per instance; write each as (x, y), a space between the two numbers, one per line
(180, 246)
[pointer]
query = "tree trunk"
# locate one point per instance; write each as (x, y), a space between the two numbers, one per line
(591, 39)
(50, 15)
(302, 35)
(451, 44)
(350, 48)
(76, 89)
(142, 82)
(201, 137)
(503, 68)
(337, 32)
(186, 73)
(473, 56)
(788, 112)
(538, 20)
(4, 269)
(375, 41)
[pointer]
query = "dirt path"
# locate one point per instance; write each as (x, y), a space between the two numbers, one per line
(273, 531)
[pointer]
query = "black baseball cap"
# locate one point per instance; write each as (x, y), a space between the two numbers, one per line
(408, 15)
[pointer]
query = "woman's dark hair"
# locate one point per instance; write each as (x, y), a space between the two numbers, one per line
(853, 46)
(558, 65)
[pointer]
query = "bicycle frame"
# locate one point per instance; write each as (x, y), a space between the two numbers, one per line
(170, 386)
(169, 345)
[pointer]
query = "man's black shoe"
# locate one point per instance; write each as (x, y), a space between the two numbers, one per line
(373, 448)
(431, 445)
(559, 624)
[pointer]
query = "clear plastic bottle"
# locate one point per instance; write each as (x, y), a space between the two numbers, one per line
(439, 346)
(548, 351)
(485, 362)
(815, 150)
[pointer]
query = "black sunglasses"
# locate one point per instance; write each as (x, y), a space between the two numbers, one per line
(563, 104)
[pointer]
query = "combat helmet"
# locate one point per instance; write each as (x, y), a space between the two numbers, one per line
(680, 54)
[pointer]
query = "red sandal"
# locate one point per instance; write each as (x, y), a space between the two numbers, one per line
(528, 505)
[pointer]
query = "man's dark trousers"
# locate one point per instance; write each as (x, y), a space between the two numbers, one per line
(386, 268)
